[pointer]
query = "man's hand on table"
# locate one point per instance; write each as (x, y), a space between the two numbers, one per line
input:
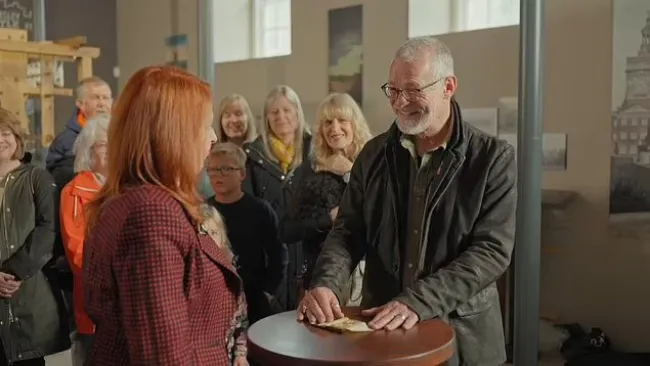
(319, 305)
(391, 316)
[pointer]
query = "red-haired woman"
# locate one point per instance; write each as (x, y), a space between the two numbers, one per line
(160, 290)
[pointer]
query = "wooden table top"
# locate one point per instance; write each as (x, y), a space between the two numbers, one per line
(283, 341)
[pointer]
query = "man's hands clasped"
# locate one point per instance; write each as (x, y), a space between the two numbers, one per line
(8, 285)
(320, 305)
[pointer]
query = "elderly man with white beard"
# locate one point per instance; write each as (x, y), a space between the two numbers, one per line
(431, 205)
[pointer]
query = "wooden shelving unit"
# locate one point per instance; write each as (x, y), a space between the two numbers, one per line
(17, 53)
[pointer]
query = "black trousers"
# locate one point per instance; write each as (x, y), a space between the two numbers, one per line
(40, 361)
(33, 362)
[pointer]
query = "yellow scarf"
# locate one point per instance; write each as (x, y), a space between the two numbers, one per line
(282, 152)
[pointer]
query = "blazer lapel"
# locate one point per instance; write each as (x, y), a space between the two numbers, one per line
(215, 254)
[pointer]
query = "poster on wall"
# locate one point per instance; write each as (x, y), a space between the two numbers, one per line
(554, 145)
(630, 145)
(508, 116)
(485, 119)
(345, 66)
(18, 14)
(177, 50)
(554, 149)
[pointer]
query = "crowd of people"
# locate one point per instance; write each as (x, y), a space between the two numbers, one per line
(161, 227)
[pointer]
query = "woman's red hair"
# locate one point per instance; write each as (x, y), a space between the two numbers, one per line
(157, 120)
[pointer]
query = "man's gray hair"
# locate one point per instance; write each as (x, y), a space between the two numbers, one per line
(95, 130)
(428, 46)
(80, 91)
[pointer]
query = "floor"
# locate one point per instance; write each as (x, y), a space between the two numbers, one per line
(552, 362)
(59, 359)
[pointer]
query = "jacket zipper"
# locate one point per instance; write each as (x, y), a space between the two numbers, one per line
(8, 349)
(4, 219)
(286, 176)
(6, 235)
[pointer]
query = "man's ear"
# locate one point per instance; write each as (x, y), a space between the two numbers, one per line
(78, 103)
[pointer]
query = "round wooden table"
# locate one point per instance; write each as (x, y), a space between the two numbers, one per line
(280, 340)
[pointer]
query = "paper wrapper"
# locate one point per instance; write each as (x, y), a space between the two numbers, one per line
(346, 325)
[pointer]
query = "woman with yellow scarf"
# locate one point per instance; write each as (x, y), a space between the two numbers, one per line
(274, 170)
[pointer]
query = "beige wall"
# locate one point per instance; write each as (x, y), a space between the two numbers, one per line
(143, 26)
(591, 275)
(305, 70)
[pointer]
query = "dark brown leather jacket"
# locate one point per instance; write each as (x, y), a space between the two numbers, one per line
(469, 235)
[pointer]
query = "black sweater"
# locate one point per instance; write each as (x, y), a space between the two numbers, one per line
(308, 215)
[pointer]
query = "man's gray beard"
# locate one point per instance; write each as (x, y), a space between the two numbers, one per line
(413, 129)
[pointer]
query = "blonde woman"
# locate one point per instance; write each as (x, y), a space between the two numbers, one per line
(341, 132)
(236, 121)
(236, 124)
(274, 169)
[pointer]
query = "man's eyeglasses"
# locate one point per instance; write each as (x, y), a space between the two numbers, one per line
(409, 94)
(223, 170)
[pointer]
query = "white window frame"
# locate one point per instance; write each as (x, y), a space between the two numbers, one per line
(258, 34)
(469, 15)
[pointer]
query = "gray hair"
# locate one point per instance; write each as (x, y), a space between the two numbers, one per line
(80, 91)
(441, 58)
(96, 129)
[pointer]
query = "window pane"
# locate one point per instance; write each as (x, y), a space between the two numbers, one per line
(482, 14)
(477, 14)
(504, 13)
(274, 26)
(270, 44)
(284, 14)
(277, 43)
(269, 16)
(284, 40)
(234, 45)
(277, 14)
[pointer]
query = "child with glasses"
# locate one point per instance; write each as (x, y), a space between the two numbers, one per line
(251, 226)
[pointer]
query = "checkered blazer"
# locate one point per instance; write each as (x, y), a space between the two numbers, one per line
(158, 289)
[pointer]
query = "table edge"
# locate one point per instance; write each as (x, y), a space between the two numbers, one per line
(442, 349)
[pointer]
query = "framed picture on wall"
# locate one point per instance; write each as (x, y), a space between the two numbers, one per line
(345, 66)
(629, 196)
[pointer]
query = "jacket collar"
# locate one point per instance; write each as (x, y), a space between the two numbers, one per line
(73, 122)
(457, 141)
(85, 185)
(255, 150)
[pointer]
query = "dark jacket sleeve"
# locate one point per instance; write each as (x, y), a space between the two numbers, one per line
(60, 148)
(488, 256)
(37, 249)
(275, 251)
(344, 246)
(294, 231)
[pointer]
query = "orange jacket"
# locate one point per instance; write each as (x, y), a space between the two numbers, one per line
(74, 197)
